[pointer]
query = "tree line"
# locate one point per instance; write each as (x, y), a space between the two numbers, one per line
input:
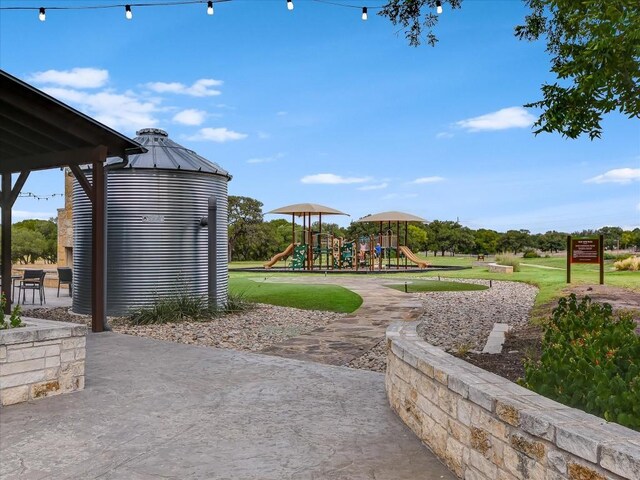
(251, 238)
(34, 239)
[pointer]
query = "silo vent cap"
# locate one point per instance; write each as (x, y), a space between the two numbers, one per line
(152, 131)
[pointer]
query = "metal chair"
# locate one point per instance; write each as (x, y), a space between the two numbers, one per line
(32, 280)
(65, 277)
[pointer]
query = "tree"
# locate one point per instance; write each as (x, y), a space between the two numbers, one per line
(595, 49)
(612, 237)
(416, 238)
(486, 241)
(47, 247)
(244, 214)
(515, 241)
(26, 245)
(552, 241)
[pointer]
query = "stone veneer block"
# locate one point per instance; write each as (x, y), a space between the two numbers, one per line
(485, 427)
(41, 359)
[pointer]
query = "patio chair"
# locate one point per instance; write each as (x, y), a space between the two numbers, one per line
(32, 280)
(65, 277)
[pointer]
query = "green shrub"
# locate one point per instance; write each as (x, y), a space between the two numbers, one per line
(14, 320)
(590, 360)
(509, 260)
(617, 256)
(631, 264)
(530, 253)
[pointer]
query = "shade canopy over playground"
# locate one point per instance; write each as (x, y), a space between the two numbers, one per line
(300, 209)
(392, 217)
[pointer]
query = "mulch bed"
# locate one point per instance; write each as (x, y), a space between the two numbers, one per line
(520, 344)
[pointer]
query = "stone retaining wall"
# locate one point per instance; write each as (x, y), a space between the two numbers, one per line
(487, 428)
(41, 359)
(495, 268)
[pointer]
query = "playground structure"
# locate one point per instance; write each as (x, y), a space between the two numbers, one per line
(318, 250)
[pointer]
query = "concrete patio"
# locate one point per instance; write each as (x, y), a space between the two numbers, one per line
(155, 409)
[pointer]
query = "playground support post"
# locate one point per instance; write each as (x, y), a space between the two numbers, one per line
(568, 258)
(601, 255)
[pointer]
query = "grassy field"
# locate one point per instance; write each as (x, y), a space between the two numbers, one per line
(551, 279)
(308, 297)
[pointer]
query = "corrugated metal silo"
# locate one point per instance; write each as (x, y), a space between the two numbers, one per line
(156, 244)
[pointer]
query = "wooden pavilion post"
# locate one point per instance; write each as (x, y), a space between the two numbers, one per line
(406, 242)
(97, 193)
(8, 198)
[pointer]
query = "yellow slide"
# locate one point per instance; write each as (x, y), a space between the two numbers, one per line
(406, 251)
(279, 256)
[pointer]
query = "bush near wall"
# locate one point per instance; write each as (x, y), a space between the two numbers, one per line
(591, 361)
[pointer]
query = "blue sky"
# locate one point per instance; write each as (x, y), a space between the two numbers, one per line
(315, 105)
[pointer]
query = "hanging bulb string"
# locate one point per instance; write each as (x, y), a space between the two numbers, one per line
(39, 197)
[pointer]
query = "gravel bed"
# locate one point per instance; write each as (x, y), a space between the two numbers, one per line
(458, 321)
(374, 359)
(251, 330)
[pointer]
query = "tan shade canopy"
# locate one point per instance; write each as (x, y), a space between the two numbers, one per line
(300, 209)
(392, 217)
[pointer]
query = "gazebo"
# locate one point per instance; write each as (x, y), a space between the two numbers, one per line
(38, 132)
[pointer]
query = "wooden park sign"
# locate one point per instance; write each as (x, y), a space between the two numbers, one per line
(585, 250)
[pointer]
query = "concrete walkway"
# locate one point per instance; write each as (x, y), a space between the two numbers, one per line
(341, 341)
(156, 409)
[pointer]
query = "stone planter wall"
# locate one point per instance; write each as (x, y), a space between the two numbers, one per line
(487, 428)
(41, 359)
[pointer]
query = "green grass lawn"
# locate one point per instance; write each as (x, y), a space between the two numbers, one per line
(415, 286)
(331, 298)
(551, 282)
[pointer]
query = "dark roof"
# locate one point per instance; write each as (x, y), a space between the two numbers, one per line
(165, 154)
(38, 132)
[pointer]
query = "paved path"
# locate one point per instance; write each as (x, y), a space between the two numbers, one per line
(155, 409)
(341, 341)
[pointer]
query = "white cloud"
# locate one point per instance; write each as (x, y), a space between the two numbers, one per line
(379, 186)
(270, 159)
(191, 116)
(219, 135)
(74, 78)
(617, 175)
(441, 135)
(281, 113)
(263, 135)
(423, 180)
(512, 117)
(332, 179)
(119, 111)
(200, 88)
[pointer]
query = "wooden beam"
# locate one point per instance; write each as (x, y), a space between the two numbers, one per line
(83, 181)
(5, 256)
(15, 191)
(78, 156)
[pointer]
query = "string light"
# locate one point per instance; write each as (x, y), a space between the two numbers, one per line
(438, 6)
(40, 197)
(167, 3)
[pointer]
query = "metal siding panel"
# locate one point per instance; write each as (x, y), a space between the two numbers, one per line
(151, 259)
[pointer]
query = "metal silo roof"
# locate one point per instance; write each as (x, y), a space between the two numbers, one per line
(165, 154)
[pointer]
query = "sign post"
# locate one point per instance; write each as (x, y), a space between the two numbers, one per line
(585, 250)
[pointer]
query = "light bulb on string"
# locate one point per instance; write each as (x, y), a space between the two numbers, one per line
(210, 8)
(290, 4)
(42, 16)
(364, 13)
(439, 6)
(127, 12)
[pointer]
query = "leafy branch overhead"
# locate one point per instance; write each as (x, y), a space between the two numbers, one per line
(595, 54)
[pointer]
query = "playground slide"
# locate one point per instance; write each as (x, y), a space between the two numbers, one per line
(279, 256)
(406, 251)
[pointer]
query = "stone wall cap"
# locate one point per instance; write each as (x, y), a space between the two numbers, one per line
(37, 329)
